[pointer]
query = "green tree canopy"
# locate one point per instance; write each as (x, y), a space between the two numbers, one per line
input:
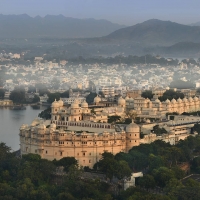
(18, 95)
(171, 94)
(147, 94)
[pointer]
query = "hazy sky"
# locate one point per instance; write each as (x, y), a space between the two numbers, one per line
(126, 12)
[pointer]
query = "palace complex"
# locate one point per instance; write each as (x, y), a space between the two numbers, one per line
(146, 108)
(77, 132)
(83, 131)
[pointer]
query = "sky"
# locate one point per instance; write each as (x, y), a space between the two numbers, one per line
(126, 12)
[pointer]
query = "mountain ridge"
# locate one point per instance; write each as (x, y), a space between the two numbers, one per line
(156, 31)
(25, 26)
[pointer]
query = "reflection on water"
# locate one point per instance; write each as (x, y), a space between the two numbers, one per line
(10, 122)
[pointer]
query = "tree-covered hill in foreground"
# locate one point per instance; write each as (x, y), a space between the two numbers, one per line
(31, 177)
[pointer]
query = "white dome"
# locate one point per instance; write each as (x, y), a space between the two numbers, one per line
(35, 122)
(179, 100)
(196, 98)
(127, 98)
(75, 104)
(55, 104)
(148, 121)
(41, 126)
(190, 99)
(97, 99)
(121, 101)
(185, 100)
(157, 100)
(61, 103)
(23, 126)
(167, 88)
(84, 104)
(173, 101)
(132, 128)
(131, 99)
(167, 101)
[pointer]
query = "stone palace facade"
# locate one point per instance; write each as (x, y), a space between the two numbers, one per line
(76, 132)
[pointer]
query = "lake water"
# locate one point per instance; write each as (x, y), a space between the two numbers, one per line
(10, 122)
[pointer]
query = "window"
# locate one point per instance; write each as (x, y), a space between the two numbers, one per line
(61, 153)
(89, 161)
(83, 154)
(46, 152)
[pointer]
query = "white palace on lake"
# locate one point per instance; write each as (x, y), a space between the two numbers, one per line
(77, 131)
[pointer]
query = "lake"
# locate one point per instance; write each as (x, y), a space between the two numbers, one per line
(10, 122)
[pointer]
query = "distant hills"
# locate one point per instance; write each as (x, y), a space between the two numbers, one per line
(157, 32)
(70, 37)
(52, 26)
(196, 24)
(181, 49)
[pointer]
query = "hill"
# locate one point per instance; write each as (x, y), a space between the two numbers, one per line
(184, 49)
(196, 24)
(52, 26)
(157, 32)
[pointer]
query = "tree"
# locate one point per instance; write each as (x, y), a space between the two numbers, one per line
(172, 154)
(171, 94)
(159, 131)
(18, 95)
(196, 128)
(52, 97)
(2, 93)
(147, 181)
(179, 173)
(65, 94)
(31, 89)
(45, 114)
(90, 97)
(66, 162)
(147, 94)
(162, 175)
(172, 185)
(155, 162)
(113, 119)
(123, 170)
(36, 99)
